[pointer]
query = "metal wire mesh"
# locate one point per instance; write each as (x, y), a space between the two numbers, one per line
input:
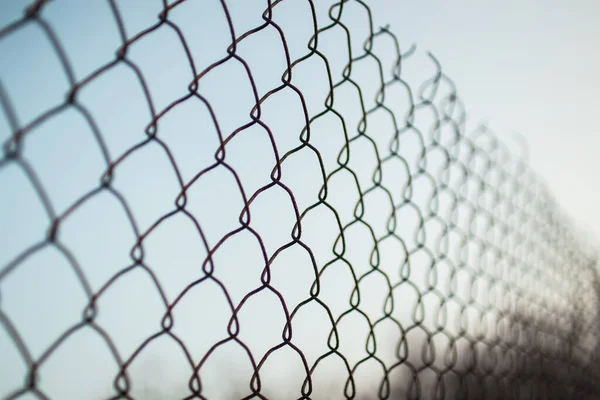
(466, 277)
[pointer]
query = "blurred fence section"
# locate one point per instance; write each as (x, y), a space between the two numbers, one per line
(269, 199)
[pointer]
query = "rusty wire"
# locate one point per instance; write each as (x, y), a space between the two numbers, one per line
(525, 326)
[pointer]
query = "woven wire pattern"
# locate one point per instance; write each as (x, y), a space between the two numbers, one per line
(486, 287)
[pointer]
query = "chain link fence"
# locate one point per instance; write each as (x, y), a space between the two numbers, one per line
(269, 199)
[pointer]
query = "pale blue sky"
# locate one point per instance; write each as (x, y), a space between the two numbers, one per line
(524, 66)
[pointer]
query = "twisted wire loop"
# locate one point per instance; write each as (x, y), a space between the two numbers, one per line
(438, 264)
